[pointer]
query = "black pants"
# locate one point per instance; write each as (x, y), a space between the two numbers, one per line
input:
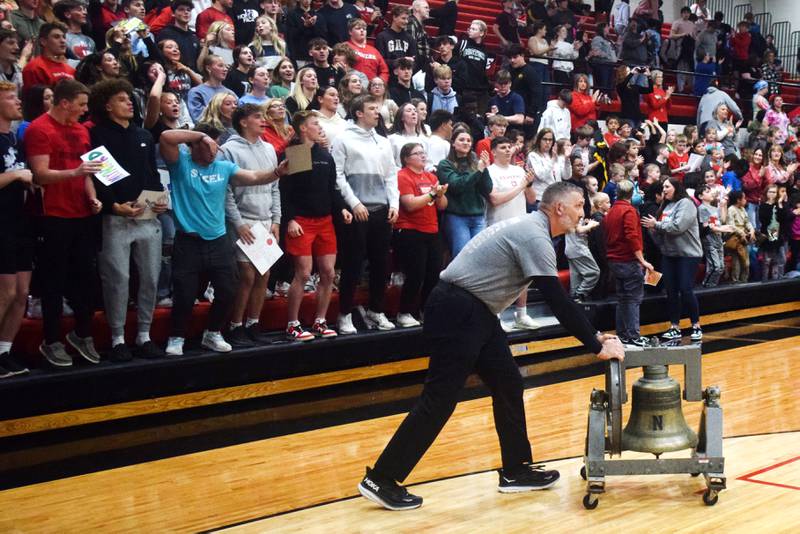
(420, 258)
(67, 267)
(358, 240)
(461, 335)
(191, 257)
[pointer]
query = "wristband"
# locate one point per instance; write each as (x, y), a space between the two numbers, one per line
(432, 195)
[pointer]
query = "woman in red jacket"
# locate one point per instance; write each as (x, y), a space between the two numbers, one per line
(754, 183)
(584, 102)
(658, 101)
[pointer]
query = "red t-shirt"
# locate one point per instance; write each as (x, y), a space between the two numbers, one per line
(43, 71)
(274, 138)
(65, 144)
(206, 18)
(610, 139)
(485, 145)
(424, 219)
(675, 160)
(369, 61)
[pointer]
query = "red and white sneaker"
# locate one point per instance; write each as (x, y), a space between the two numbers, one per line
(296, 333)
(321, 329)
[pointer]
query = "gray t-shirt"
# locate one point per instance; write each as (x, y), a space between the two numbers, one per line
(498, 263)
(577, 245)
(710, 215)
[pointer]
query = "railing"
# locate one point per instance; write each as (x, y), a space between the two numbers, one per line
(783, 42)
(739, 12)
(765, 21)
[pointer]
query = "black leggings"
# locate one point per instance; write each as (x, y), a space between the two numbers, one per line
(191, 257)
(420, 258)
(369, 239)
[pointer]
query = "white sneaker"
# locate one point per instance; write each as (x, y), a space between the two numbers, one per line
(209, 293)
(507, 327)
(214, 341)
(524, 321)
(282, 289)
(406, 320)
(166, 302)
(268, 295)
(345, 324)
(174, 346)
(378, 320)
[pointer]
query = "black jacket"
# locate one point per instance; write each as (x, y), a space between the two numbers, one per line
(244, 14)
(629, 98)
(401, 95)
(298, 34)
(526, 82)
(313, 193)
(187, 41)
(134, 150)
(456, 65)
(475, 62)
(393, 45)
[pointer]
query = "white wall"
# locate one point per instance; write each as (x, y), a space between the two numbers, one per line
(784, 10)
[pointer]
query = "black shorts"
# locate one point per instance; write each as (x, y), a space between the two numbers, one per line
(16, 253)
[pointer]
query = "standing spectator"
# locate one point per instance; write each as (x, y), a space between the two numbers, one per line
(327, 74)
(26, 20)
(539, 50)
(743, 234)
(563, 49)
(73, 14)
(17, 241)
(708, 104)
(526, 81)
(658, 101)
(246, 206)
(620, 16)
(711, 230)
(220, 41)
(506, 25)
(603, 57)
(244, 14)
(282, 79)
(771, 72)
(420, 13)
(754, 183)
(277, 133)
(556, 117)
(337, 16)
(51, 66)
(583, 107)
(583, 270)
(706, 40)
(218, 11)
(214, 73)
(369, 60)
(199, 184)
(180, 78)
(401, 89)
(10, 57)
(624, 251)
(377, 88)
(772, 216)
(124, 234)
(407, 128)
(511, 191)
(706, 70)
(311, 200)
(676, 230)
(682, 35)
(441, 124)
(777, 170)
(740, 42)
(442, 55)
(726, 130)
(473, 54)
(267, 44)
(331, 122)
(760, 103)
(443, 97)
(634, 45)
(416, 234)
(542, 162)
(54, 144)
(395, 42)
(239, 78)
(468, 187)
(366, 175)
(219, 114)
(775, 116)
(302, 94)
(303, 24)
(631, 85)
(506, 102)
(179, 31)
(349, 88)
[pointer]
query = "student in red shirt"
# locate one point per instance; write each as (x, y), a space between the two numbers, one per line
(658, 101)
(612, 125)
(54, 143)
(679, 159)
(217, 11)
(497, 125)
(368, 59)
(416, 235)
(51, 66)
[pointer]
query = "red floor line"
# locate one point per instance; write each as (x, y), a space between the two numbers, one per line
(769, 468)
(767, 483)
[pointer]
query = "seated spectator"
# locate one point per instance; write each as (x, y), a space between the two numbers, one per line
(312, 200)
(199, 184)
(214, 73)
(219, 115)
(302, 94)
(50, 66)
(246, 206)
(468, 187)
(416, 234)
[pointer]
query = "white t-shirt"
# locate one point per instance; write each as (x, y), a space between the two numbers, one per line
(505, 179)
(438, 149)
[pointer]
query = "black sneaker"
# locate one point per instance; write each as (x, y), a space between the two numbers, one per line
(149, 351)
(672, 333)
(697, 333)
(238, 337)
(120, 353)
(640, 341)
(388, 494)
(533, 477)
(255, 334)
(11, 365)
(5, 373)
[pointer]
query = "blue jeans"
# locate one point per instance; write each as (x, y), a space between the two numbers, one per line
(629, 282)
(752, 214)
(679, 273)
(461, 228)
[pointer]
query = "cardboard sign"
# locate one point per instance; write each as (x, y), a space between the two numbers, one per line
(264, 251)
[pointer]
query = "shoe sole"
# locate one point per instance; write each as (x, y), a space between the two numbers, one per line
(377, 500)
(301, 339)
(90, 359)
(206, 346)
(524, 327)
(173, 353)
(54, 363)
(523, 489)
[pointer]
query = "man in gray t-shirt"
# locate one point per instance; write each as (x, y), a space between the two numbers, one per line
(463, 335)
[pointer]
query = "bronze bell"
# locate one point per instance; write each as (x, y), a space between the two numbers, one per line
(656, 423)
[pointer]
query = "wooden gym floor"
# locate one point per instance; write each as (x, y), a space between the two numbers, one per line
(307, 480)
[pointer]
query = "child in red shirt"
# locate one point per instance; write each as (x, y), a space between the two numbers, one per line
(679, 159)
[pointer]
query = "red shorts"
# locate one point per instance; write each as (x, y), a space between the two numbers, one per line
(318, 239)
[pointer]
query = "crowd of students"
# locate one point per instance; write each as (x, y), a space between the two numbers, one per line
(414, 150)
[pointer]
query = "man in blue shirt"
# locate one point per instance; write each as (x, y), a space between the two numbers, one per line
(506, 102)
(199, 182)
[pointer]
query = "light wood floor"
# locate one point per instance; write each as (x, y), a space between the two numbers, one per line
(215, 488)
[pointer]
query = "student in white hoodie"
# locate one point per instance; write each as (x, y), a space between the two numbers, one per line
(556, 116)
(245, 207)
(366, 175)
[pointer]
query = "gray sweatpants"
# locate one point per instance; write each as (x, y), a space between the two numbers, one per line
(121, 236)
(715, 262)
(583, 275)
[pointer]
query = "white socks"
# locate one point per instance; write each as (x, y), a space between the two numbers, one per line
(250, 322)
(117, 340)
(142, 338)
(5, 346)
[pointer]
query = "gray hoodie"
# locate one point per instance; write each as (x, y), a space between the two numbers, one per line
(256, 202)
(709, 102)
(365, 168)
(678, 233)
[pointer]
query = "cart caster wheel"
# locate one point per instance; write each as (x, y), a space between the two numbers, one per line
(583, 472)
(695, 475)
(590, 502)
(710, 497)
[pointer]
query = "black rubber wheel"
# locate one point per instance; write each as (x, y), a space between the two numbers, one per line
(583, 472)
(709, 497)
(695, 475)
(590, 504)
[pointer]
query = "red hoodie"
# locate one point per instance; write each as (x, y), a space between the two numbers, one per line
(623, 232)
(582, 109)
